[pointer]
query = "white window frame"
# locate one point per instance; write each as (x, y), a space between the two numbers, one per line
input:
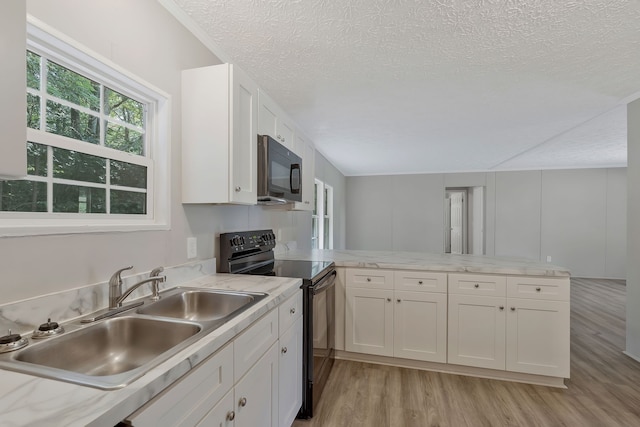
(323, 212)
(44, 40)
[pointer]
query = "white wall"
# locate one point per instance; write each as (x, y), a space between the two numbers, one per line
(142, 37)
(577, 217)
(633, 230)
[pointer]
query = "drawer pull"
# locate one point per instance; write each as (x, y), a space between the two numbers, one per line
(476, 286)
(368, 279)
(419, 282)
(501, 307)
(538, 289)
(388, 299)
(513, 309)
(242, 402)
(398, 300)
(293, 310)
(238, 189)
(231, 415)
(284, 350)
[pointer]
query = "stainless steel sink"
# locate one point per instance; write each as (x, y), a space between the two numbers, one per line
(106, 355)
(118, 348)
(201, 305)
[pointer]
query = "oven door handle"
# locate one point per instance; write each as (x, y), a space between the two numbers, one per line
(326, 282)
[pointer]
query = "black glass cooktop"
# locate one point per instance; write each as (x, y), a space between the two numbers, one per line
(306, 270)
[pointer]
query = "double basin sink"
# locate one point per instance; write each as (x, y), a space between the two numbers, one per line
(111, 353)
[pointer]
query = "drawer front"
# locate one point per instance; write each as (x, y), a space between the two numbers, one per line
(289, 311)
(477, 284)
(369, 278)
(542, 288)
(188, 400)
(420, 281)
(252, 343)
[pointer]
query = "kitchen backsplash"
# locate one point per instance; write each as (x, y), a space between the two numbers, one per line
(24, 316)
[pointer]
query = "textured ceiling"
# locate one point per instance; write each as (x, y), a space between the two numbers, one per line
(410, 86)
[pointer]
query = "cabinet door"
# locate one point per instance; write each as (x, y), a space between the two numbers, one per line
(290, 374)
(420, 326)
(257, 393)
(477, 331)
(285, 132)
(222, 415)
(538, 337)
(369, 321)
(267, 115)
(13, 103)
(243, 144)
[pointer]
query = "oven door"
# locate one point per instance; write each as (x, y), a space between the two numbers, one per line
(321, 340)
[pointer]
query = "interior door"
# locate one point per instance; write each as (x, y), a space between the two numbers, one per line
(457, 200)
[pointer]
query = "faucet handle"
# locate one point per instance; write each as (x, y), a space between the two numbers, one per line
(156, 271)
(115, 278)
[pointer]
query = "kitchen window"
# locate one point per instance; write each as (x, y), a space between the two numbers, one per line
(97, 145)
(322, 216)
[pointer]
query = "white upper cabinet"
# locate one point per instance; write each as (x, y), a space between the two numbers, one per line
(13, 85)
(305, 149)
(274, 122)
(219, 136)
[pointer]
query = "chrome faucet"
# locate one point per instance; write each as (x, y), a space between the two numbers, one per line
(153, 279)
(115, 286)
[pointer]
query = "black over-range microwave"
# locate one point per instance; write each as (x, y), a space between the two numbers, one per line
(279, 173)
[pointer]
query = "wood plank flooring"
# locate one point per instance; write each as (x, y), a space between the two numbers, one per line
(604, 389)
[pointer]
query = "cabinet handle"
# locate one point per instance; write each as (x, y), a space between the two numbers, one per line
(476, 286)
(501, 307)
(513, 309)
(419, 282)
(538, 289)
(368, 279)
(231, 415)
(243, 402)
(306, 202)
(398, 300)
(284, 350)
(238, 189)
(280, 137)
(293, 310)
(388, 299)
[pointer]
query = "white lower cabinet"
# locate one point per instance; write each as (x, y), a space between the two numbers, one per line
(538, 337)
(477, 331)
(290, 372)
(529, 334)
(396, 323)
(255, 380)
(420, 325)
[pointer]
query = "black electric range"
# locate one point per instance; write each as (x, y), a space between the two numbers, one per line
(251, 252)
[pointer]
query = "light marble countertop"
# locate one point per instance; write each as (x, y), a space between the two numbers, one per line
(27, 400)
(430, 262)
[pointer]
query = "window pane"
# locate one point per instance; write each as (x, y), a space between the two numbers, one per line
(128, 202)
(326, 233)
(315, 199)
(72, 123)
(72, 87)
(326, 196)
(36, 159)
(78, 166)
(23, 196)
(33, 70)
(128, 175)
(33, 111)
(76, 199)
(123, 108)
(124, 139)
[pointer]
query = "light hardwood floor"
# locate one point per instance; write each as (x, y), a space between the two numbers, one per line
(604, 389)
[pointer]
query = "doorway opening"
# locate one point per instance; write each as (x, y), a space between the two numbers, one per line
(464, 220)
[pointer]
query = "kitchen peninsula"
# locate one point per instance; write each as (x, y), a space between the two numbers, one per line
(492, 317)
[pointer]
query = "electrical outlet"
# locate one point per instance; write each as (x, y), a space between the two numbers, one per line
(548, 258)
(192, 247)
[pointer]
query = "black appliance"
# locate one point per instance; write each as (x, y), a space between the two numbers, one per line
(251, 252)
(279, 173)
